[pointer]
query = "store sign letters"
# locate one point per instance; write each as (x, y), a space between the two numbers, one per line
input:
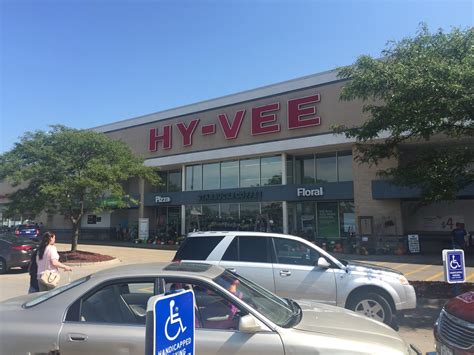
(302, 192)
(264, 120)
(162, 199)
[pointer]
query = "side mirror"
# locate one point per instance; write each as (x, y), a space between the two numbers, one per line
(323, 263)
(248, 324)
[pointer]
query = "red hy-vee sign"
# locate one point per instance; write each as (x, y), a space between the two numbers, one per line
(264, 120)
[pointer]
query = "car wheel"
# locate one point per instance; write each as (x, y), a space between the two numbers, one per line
(372, 305)
(3, 266)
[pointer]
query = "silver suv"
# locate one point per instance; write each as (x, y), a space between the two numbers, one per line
(296, 268)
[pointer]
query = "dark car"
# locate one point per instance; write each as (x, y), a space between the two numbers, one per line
(27, 230)
(15, 252)
(454, 329)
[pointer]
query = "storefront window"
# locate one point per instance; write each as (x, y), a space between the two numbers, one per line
(193, 218)
(328, 220)
(346, 218)
(305, 173)
(273, 213)
(289, 170)
(211, 176)
(174, 181)
(163, 186)
(250, 172)
(248, 215)
(210, 220)
(271, 170)
(170, 181)
(229, 216)
(326, 168)
(168, 224)
(344, 167)
(230, 174)
(194, 178)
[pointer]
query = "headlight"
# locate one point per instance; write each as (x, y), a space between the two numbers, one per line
(403, 280)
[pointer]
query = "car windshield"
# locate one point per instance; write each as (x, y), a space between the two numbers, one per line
(280, 311)
(55, 291)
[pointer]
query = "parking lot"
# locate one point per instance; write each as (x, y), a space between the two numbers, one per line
(416, 327)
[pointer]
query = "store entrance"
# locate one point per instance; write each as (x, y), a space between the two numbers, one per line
(321, 222)
(168, 224)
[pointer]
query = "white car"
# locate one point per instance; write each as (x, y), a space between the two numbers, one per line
(293, 267)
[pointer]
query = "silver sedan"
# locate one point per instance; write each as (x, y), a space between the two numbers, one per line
(105, 313)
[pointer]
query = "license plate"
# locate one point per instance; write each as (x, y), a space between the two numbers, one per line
(444, 350)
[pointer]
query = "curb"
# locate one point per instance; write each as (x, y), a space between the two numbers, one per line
(108, 262)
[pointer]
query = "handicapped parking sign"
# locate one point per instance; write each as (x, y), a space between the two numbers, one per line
(173, 323)
(454, 266)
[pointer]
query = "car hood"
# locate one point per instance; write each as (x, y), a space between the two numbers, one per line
(366, 267)
(462, 306)
(344, 324)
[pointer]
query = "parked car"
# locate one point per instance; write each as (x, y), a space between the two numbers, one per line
(454, 329)
(296, 268)
(15, 252)
(105, 313)
(27, 230)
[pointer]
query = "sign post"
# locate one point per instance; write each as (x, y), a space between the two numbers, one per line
(170, 324)
(143, 228)
(454, 266)
(413, 243)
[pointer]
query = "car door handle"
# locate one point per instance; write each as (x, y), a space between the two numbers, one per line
(77, 337)
(285, 273)
(231, 269)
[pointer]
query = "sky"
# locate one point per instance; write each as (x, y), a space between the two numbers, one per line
(85, 63)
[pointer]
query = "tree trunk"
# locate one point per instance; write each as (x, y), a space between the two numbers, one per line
(75, 237)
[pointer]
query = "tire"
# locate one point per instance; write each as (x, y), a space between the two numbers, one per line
(3, 266)
(372, 305)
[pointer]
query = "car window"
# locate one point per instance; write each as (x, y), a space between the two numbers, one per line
(254, 249)
(118, 303)
(55, 291)
(197, 248)
(293, 252)
(213, 310)
(231, 254)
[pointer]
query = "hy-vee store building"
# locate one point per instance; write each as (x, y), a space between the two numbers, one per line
(267, 160)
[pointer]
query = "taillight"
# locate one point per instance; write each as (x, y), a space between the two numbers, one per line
(22, 247)
(37, 232)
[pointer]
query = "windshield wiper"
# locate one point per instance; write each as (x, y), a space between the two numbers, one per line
(296, 313)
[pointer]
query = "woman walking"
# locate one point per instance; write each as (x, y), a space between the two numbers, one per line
(47, 260)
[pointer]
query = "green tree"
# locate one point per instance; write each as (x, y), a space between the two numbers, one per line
(422, 88)
(70, 172)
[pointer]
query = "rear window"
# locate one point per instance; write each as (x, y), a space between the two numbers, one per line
(197, 248)
(248, 248)
(28, 226)
(55, 291)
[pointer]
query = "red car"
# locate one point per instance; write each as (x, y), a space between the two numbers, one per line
(454, 329)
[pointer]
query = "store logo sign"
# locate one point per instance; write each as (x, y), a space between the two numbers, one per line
(267, 119)
(255, 195)
(162, 199)
(302, 192)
